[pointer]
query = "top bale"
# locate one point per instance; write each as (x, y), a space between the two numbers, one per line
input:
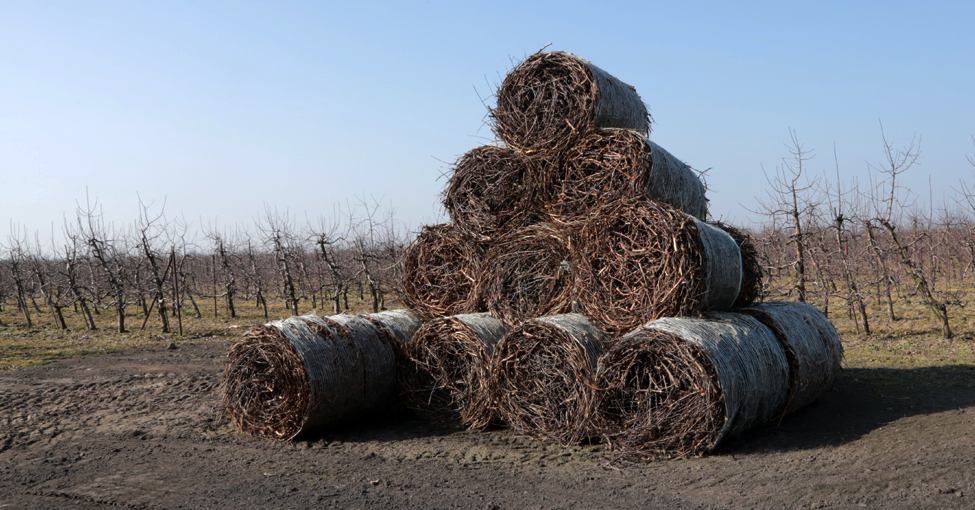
(550, 100)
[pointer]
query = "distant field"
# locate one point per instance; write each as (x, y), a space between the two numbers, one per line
(22, 347)
(913, 341)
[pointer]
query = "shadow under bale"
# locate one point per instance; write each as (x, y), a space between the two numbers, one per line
(447, 374)
(677, 387)
(811, 345)
(440, 269)
(543, 378)
(549, 100)
(528, 273)
(611, 165)
(638, 262)
(489, 191)
(301, 373)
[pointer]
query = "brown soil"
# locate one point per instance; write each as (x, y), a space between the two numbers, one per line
(141, 429)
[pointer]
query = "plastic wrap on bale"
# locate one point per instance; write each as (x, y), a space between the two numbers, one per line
(811, 345)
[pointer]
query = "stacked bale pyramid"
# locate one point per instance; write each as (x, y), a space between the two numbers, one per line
(577, 263)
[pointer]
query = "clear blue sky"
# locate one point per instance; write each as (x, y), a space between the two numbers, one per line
(221, 107)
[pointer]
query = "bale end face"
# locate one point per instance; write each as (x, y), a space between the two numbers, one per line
(542, 378)
(266, 388)
(446, 375)
(440, 271)
(550, 100)
(659, 397)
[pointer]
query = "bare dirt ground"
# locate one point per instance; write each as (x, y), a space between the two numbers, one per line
(141, 429)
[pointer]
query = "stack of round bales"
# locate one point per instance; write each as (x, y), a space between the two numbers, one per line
(578, 293)
(574, 211)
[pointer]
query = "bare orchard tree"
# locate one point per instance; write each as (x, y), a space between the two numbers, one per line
(152, 231)
(18, 260)
(790, 196)
(967, 201)
(225, 251)
(109, 251)
(3, 289)
(254, 274)
(72, 267)
(328, 238)
(842, 210)
(277, 232)
(51, 283)
(374, 239)
(889, 199)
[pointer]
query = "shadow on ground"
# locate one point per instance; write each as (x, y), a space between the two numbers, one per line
(863, 400)
(399, 425)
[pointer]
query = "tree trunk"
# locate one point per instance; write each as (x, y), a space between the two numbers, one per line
(940, 309)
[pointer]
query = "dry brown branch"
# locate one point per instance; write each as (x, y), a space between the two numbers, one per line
(543, 378)
(447, 373)
(609, 165)
(641, 261)
(528, 274)
(440, 271)
(488, 192)
(549, 100)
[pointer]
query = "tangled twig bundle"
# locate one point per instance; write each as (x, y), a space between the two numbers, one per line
(447, 376)
(528, 273)
(641, 261)
(659, 396)
(611, 165)
(440, 271)
(752, 272)
(300, 373)
(490, 191)
(543, 378)
(662, 384)
(811, 345)
(266, 389)
(549, 100)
